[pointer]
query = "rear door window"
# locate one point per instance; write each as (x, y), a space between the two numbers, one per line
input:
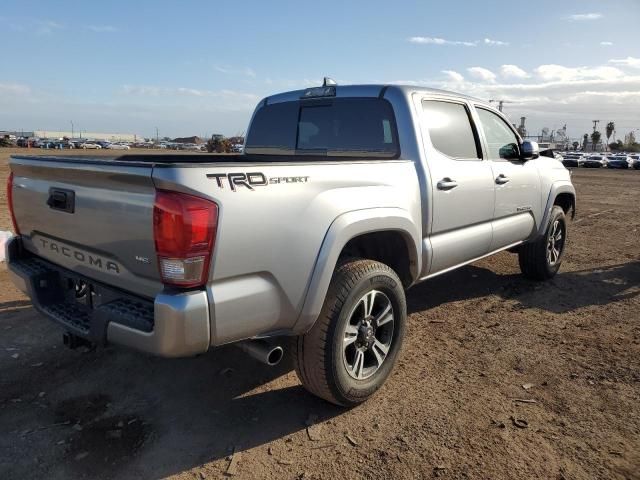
(339, 127)
(450, 129)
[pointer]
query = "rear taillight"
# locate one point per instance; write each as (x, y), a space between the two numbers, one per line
(16, 230)
(184, 229)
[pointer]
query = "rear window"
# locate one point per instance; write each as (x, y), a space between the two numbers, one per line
(339, 127)
(450, 129)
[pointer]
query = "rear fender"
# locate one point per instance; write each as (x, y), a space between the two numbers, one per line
(344, 228)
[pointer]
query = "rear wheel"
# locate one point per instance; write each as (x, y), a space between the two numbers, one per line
(352, 348)
(541, 260)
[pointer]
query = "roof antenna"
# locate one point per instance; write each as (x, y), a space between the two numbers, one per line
(328, 82)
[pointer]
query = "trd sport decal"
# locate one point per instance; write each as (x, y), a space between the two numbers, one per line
(251, 180)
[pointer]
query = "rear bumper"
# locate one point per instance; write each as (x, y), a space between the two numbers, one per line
(174, 324)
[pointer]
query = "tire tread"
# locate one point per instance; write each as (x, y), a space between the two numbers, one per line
(310, 350)
(532, 256)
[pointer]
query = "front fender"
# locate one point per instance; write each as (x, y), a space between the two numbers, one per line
(561, 186)
(345, 227)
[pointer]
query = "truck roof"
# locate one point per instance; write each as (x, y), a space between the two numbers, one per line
(372, 90)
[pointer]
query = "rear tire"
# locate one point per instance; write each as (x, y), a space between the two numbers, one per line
(541, 260)
(353, 346)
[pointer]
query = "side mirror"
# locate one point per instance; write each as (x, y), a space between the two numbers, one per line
(529, 150)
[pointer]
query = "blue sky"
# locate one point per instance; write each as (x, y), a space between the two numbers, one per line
(200, 67)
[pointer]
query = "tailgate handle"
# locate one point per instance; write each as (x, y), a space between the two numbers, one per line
(61, 199)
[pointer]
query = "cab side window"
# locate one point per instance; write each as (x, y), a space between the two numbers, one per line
(501, 141)
(450, 129)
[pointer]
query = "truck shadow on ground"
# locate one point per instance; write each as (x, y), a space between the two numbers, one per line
(145, 417)
(568, 291)
(197, 411)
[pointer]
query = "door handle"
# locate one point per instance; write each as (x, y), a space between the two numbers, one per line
(502, 179)
(447, 184)
(61, 199)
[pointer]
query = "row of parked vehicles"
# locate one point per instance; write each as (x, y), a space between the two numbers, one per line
(601, 160)
(67, 144)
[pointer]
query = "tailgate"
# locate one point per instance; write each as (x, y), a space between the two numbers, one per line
(92, 217)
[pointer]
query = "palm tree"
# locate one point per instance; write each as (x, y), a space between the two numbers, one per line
(611, 126)
(595, 139)
(575, 145)
(585, 139)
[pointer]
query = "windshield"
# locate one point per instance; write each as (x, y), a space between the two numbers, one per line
(336, 127)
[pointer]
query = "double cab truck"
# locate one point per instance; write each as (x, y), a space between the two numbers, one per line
(343, 198)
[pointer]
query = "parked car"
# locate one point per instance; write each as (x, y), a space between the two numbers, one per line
(635, 161)
(385, 186)
(90, 145)
(119, 146)
(595, 161)
(64, 144)
(192, 147)
(549, 152)
(237, 148)
(619, 161)
(571, 160)
(49, 143)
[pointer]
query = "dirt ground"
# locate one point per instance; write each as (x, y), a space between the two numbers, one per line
(455, 406)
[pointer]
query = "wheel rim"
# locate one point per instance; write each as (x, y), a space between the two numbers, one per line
(555, 243)
(368, 335)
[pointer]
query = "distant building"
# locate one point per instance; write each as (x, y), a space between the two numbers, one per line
(13, 133)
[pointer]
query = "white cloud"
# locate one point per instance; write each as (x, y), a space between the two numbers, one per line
(46, 27)
(513, 71)
(562, 73)
(626, 62)
(14, 89)
(174, 92)
(606, 44)
(441, 41)
(247, 71)
(579, 17)
(453, 75)
(553, 95)
(495, 43)
(482, 74)
(101, 28)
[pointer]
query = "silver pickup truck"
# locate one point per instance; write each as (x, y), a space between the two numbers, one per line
(344, 197)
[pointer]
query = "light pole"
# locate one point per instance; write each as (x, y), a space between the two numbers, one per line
(71, 128)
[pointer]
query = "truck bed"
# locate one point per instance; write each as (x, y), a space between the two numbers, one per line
(144, 159)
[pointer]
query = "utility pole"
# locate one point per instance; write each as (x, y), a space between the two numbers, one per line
(71, 128)
(595, 124)
(157, 137)
(500, 103)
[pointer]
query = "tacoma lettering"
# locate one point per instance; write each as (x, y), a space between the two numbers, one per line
(79, 256)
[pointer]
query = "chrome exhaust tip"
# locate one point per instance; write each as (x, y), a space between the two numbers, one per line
(262, 351)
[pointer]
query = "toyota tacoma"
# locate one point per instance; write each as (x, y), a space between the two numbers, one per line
(343, 198)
